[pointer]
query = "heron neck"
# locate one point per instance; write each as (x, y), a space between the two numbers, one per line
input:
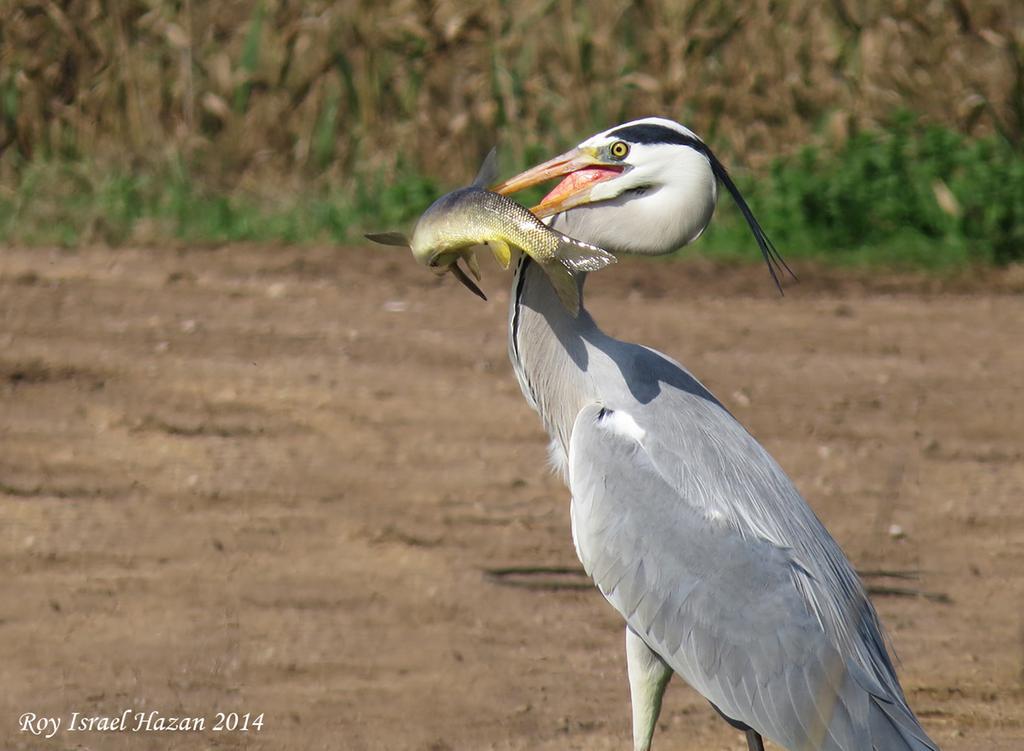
(547, 346)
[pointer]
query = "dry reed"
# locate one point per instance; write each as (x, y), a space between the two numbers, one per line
(251, 91)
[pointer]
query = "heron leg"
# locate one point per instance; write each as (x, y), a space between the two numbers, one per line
(754, 742)
(648, 677)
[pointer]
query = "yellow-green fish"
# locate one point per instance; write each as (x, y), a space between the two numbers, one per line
(461, 220)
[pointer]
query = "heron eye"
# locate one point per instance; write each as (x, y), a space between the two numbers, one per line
(619, 149)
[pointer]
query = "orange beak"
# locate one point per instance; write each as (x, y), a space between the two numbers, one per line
(580, 171)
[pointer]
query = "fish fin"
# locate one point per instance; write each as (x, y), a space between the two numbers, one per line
(488, 173)
(466, 281)
(473, 264)
(565, 284)
(581, 256)
(502, 252)
(388, 238)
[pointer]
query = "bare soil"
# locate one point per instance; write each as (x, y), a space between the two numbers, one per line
(272, 480)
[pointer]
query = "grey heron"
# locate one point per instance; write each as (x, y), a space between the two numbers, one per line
(694, 534)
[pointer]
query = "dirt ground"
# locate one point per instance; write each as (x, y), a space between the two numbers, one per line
(272, 480)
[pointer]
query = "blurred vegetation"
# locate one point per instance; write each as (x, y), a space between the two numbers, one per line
(144, 120)
(908, 194)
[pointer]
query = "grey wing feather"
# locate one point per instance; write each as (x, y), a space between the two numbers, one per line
(723, 607)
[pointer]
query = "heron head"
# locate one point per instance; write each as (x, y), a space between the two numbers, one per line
(642, 187)
(645, 187)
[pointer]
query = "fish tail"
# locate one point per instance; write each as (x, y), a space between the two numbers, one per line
(571, 258)
(580, 256)
(566, 285)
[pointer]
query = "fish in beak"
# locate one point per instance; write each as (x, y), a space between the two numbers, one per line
(450, 265)
(458, 222)
(580, 169)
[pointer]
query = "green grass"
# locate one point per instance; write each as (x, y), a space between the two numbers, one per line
(906, 196)
(66, 204)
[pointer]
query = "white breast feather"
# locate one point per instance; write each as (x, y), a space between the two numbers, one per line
(557, 459)
(623, 424)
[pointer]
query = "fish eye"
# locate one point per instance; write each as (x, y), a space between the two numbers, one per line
(619, 149)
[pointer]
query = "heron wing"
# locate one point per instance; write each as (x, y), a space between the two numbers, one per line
(716, 467)
(727, 609)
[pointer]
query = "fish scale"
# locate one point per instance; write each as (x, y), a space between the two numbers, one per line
(457, 222)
